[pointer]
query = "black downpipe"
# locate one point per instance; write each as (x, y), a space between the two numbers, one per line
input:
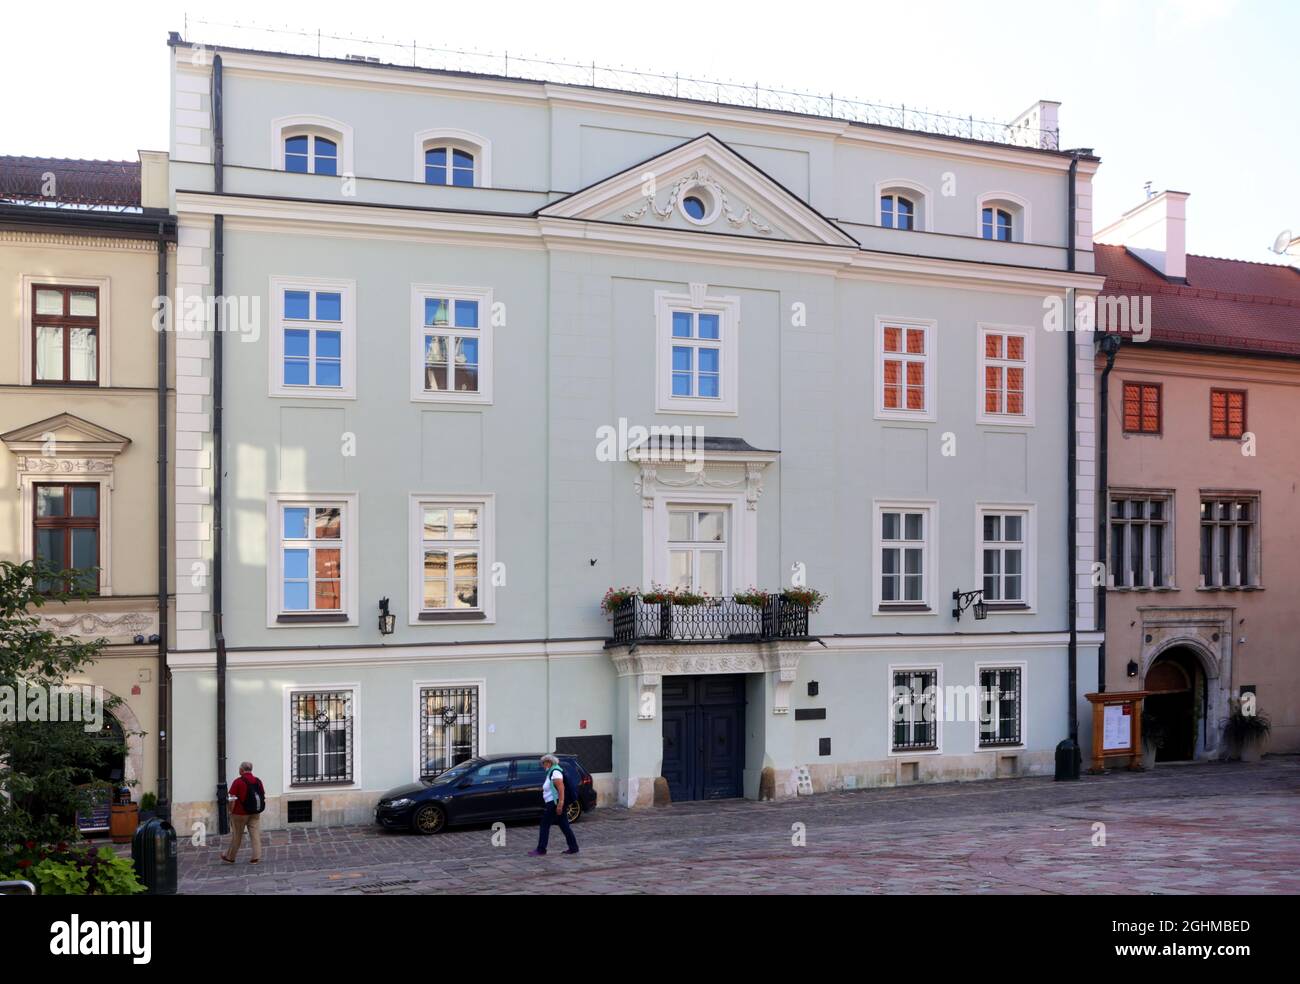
(218, 353)
(1068, 757)
(164, 682)
(1103, 485)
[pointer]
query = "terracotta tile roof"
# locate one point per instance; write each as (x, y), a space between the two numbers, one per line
(1227, 305)
(103, 184)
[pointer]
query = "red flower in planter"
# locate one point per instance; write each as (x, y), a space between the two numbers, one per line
(24, 863)
(30, 845)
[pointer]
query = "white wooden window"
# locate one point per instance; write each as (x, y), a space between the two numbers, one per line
(312, 559)
(905, 369)
(310, 144)
(1003, 545)
(313, 344)
(451, 344)
(904, 552)
(1230, 541)
(1005, 375)
(451, 558)
(445, 156)
(697, 351)
(697, 549)
(1141, 540)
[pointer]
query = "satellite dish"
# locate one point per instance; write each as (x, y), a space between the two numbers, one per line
(1283, 241)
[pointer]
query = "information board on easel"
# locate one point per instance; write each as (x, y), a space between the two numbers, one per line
(1117, 728)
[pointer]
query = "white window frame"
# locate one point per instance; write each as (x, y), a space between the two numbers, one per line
(347, 390)
(698, 547)
(481, 732)
(104, 334)
(1255, 547)
(929, 359)
(1029, 554)
(316, 126)
(917, 193)
(473, 143)
(1008, 201)
(982, 416)
(1006, 664)
(485, 502)
(929, 556)
(349, 568)
(905, 753)
(742, 530)
(697, 302)
(306, 790)
(1167, 496)
(483, 296)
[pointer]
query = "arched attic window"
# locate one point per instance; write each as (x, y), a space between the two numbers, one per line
(456, 158)
(1003, 217)
(312, 145)
(902, 205)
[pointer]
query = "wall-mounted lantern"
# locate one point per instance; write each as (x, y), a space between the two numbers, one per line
(387, 620)
(966, 599)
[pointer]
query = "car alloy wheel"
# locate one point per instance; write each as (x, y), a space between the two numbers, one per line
(430, 819)
(573, 811)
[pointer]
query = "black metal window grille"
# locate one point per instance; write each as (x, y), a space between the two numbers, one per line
(915, 710)
(1000, 707)
(321, 736)
(448, 727)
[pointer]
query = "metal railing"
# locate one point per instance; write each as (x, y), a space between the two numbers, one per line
(505, 65)
(713, 620)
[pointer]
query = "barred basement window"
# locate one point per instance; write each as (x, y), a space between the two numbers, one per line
(448, 728)
(915, 710)
(320, 730)
(1000, 707)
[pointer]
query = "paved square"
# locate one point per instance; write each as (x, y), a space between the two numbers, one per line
(1182, 829)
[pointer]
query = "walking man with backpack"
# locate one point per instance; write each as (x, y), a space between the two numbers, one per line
(555, 797)
(248, 800)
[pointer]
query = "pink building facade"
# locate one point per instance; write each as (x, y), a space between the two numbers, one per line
(1201, 522)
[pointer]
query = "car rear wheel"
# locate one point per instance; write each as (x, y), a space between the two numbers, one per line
(429, 819)
(573, 811)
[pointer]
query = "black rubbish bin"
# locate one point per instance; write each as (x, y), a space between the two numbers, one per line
(1067, 761)
(153, 849)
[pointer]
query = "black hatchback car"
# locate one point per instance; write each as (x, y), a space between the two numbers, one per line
(480, 790)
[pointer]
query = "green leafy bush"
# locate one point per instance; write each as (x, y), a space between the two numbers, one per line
(64, 870)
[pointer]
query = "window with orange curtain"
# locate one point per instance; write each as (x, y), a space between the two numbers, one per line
(1142, 408)
(1227, 413)
(905, 350)
(1005, 372)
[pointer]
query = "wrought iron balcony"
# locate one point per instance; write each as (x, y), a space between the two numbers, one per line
(714, 620)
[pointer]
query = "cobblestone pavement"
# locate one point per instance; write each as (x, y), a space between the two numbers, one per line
(1184, 829)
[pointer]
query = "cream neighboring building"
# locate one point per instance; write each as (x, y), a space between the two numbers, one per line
(85, 248)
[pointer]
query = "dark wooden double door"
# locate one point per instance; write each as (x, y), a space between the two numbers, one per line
(704, 736)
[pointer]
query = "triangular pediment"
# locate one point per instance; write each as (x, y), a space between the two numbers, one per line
(65, 432)
(731, 197)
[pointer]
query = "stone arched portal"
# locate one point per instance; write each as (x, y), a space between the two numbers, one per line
(1205, 637)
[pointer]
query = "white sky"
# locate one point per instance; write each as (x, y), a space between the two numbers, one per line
(1196, 95)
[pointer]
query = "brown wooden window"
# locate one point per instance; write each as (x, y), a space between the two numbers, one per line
(66, 534)
(1227, 413)
(1142, 408)
(65, 334)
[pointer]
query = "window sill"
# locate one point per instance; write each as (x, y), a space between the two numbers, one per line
(452, 616)
(995, 607)
(311, 618)
(1141, 588)
(1233, 587)
(324, 784)
(460, 397)
(1018, 747)
(891, 609)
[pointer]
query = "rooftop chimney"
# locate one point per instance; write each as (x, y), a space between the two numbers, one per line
(1155, 232)
(1039, 125)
